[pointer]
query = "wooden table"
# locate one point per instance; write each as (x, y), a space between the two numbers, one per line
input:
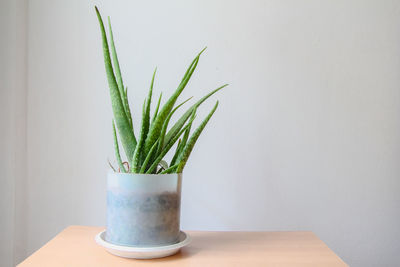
(75, 246)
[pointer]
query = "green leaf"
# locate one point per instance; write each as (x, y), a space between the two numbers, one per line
(115, 61)
(125, 130)
(176, 154)
(165, 126)
(158, 106)
(116, 148)
(165, 151)
(148, 157)
(179, 124)
(186, 135)
(123, 93)
(180, 146)
(170, 169)
(127, 108)
(156, 126)
(192, 141)
(138, 150)
(147, 114)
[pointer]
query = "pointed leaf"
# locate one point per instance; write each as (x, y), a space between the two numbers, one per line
(147, 114)
(176, 154)
(192, 141)
(148, 157)
(127, 108)
(165, 151)
(155, 128)
(165, 126)
(170, 169)
(124, 128)
(116, 149)
(115, 61)
(180, 146)
(156, 111)
(179, 124)
(138, 150)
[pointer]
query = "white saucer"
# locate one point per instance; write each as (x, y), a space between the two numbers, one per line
(142, 252)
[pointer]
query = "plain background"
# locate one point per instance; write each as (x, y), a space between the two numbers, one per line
(306, 136)
(13, 118)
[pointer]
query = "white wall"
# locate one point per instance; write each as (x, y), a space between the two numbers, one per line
(13, 14)
(7, 178)
(306, 136)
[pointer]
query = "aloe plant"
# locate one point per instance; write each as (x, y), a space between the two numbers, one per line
(146, 154)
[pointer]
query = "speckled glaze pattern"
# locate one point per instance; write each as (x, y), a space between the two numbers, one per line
(143, 209)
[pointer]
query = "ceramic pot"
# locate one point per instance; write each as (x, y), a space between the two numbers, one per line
(143, 209)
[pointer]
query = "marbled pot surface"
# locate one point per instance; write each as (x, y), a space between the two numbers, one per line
(142, 219)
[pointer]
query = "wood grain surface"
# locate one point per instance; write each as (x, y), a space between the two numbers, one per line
(75, 247)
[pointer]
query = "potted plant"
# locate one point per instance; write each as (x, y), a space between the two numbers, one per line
(144, 191)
